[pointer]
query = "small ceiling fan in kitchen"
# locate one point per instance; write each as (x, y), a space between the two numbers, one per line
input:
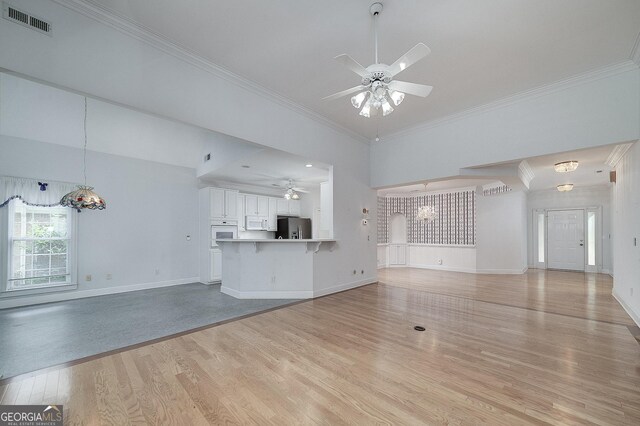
(292, 192)
(378, 87)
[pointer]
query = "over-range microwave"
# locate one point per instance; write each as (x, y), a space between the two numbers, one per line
(256, 223)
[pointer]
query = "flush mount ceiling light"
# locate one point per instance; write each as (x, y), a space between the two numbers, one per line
(84, 197)
(308, 165)
(566, 166)
(291, 194)
(565, 187)
(377, 88)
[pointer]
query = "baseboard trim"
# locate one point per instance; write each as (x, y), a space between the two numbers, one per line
(343, 287)
(75, 294)
(503, 271)
(468, 270)
(293, 294)
(442, 268)
(635, 317)
(268, 294)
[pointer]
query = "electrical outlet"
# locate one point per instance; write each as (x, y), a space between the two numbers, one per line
(188, 237)
(439, 261)
(109, 276)
(87, 277)
(157, 271)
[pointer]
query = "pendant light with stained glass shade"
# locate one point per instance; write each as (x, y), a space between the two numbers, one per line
(84, 197)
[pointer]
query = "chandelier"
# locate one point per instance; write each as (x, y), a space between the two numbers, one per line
(565, 187)
(84, 197)
(426, 213)
(566, 166)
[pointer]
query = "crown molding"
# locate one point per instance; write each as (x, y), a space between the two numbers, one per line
(545, 90)
(635, 52)
(617, 153)
(525, 173)
(108, 17)
(425, 193)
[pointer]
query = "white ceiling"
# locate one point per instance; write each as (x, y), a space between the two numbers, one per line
(270, 168)
(590, 161)
(481, 50)
(443, 185)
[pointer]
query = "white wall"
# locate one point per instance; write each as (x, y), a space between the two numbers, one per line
(501, 233)
(151, 208)
(579, 197)
(460, 259)
(584, 112)
(94, 58)
(501, 241)
(626, 229)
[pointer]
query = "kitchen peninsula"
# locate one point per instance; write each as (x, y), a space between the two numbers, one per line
(270, 268)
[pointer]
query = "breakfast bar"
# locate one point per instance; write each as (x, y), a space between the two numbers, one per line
(270, 268)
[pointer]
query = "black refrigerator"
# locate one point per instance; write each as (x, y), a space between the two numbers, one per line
(293, 228)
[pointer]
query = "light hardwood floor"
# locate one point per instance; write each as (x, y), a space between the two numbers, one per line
(542, 348)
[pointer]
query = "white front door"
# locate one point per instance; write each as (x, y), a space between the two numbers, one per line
(565, 234)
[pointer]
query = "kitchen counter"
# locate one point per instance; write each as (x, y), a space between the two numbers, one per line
(312, 244)
(271, 269)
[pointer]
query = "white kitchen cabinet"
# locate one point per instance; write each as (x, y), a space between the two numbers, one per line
(294, 207)
(272, 217)
(288, 207)
(241, 214)
(230, 204)
(223, 203)
(282, 206)
(216, 265)
(217, 200)
(256, 205)
(251, 205)
(263, 206)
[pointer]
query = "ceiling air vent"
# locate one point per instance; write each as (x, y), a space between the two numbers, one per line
(12, 14)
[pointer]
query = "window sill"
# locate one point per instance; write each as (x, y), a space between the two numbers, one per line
(34, 291)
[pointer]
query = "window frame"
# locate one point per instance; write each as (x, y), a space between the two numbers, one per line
(6, 224)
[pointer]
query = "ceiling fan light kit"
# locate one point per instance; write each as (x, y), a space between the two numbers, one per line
(377, 89)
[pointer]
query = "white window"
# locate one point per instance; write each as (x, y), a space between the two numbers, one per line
(40, 247)
(541, 231)
(591, 238)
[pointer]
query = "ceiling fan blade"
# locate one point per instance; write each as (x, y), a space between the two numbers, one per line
(416, 53)
(352, 64)
(344, 93)
(421, 90)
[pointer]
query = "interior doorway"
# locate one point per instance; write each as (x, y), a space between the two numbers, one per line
(566, 240)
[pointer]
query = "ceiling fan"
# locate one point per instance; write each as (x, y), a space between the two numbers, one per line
(378, 86)
(292, 192)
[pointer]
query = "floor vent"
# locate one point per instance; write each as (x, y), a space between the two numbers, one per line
(12, 14)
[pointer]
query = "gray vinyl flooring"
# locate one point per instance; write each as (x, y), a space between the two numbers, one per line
(40, 336)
